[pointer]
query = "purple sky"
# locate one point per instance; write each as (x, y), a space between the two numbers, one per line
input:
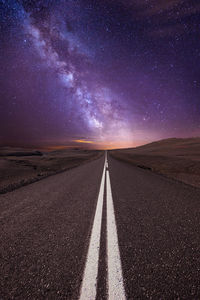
(111, 73)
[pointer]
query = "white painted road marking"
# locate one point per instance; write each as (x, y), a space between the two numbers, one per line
(89, 284)
(115, 278)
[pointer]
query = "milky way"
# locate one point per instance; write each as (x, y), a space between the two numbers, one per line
(110, 73)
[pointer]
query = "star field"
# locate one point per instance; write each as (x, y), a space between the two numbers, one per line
(111, 73)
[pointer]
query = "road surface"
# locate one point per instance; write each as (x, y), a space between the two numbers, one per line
(104, 230)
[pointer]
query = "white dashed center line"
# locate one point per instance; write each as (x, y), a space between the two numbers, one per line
(115, 278)
(115, 283)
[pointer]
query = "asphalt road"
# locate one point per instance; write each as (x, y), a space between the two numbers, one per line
(106, 231)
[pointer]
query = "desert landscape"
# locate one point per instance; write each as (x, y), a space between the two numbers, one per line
(177, 158)
(22, 166)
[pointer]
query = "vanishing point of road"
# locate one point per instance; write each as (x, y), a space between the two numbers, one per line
(103, 230)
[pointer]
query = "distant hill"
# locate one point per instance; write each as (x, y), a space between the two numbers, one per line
(172, 146)
(178, 158)
(11, 151)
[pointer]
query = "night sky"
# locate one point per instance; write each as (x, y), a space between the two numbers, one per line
(113, 73)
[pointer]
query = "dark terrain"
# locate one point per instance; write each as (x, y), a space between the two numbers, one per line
(174, 158)
(20, 167)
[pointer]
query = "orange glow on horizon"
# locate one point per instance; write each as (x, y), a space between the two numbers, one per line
(118, 145)
(57, 147)
(101, 145)
(84, 141)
